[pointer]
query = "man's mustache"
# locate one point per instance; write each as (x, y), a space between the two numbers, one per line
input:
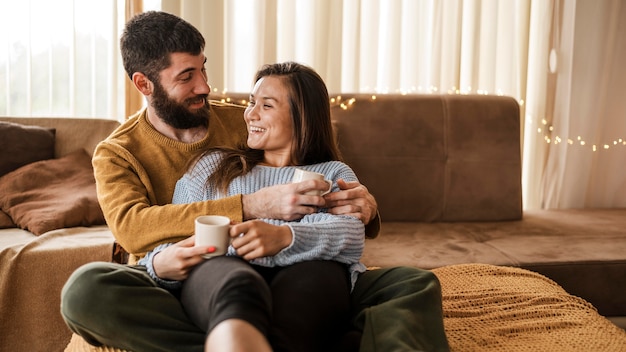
(198, 98)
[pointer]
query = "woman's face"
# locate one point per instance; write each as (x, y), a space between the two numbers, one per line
(268, 117)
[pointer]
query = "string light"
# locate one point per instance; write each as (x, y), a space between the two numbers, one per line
(580, 141)
(547, 131)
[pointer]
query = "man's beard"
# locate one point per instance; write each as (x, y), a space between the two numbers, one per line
(177, 114)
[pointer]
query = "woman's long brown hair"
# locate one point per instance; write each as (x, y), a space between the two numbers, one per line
(313, 132)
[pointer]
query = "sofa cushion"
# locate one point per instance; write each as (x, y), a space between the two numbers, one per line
(52, 194)
(436, 157)
(21, 145)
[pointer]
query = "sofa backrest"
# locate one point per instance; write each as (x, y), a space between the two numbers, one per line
(435, 157)
(71, 133)
(432, 158)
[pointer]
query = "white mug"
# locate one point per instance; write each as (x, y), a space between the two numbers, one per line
(212, 231)
(302, 175)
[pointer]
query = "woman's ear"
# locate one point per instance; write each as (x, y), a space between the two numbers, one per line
(142, 83)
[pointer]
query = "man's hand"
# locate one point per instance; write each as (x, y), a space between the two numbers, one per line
(286, 202)
(255, 238)
(354, 199)
(176, 261)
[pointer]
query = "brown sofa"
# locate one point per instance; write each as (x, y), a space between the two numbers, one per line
(33, 268)
(446, 172)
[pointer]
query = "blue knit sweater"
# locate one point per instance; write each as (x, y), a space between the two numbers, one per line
(318, 236)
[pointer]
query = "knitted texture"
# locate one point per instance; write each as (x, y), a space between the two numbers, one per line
(497, 308)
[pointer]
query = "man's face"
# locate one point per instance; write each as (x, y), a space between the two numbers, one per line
(180, 96)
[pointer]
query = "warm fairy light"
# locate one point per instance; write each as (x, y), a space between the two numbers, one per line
(549, 139)
(347, 104)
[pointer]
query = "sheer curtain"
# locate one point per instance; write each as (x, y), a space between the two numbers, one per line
(60, 58)
(586, 158)
(391, 46)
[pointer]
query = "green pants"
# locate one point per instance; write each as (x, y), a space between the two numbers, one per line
(397, 309)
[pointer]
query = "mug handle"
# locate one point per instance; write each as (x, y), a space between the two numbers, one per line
(330, 186)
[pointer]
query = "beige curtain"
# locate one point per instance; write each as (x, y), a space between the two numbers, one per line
(60, 58)
(134, 100)
(390, 46)
(586, 159)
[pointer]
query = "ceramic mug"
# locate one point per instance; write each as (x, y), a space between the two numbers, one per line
(302, 175)
(212, 231)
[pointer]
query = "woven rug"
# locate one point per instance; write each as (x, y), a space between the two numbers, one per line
(496, 308)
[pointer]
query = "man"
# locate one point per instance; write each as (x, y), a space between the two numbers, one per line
(136, 169)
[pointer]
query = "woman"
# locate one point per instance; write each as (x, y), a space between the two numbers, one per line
(300, 272)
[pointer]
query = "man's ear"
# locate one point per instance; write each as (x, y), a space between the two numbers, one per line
(142, 83)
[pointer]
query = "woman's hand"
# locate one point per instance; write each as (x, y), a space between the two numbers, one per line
(353, 199)
(255, 238)
(176, 261)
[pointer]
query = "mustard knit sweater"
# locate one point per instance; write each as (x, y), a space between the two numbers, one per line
(136, 169)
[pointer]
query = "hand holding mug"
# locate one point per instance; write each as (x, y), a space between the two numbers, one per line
(302, 175)
(212, 231)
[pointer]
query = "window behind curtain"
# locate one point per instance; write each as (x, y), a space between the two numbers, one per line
(60, 58)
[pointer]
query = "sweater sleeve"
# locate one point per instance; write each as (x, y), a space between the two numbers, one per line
(147, 262)
(322, 236)
(136, 219)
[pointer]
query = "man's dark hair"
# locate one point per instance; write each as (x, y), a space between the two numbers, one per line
(150, 37)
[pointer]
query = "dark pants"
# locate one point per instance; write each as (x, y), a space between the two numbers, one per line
(303, 307)
(396, 309)
(309, 301)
